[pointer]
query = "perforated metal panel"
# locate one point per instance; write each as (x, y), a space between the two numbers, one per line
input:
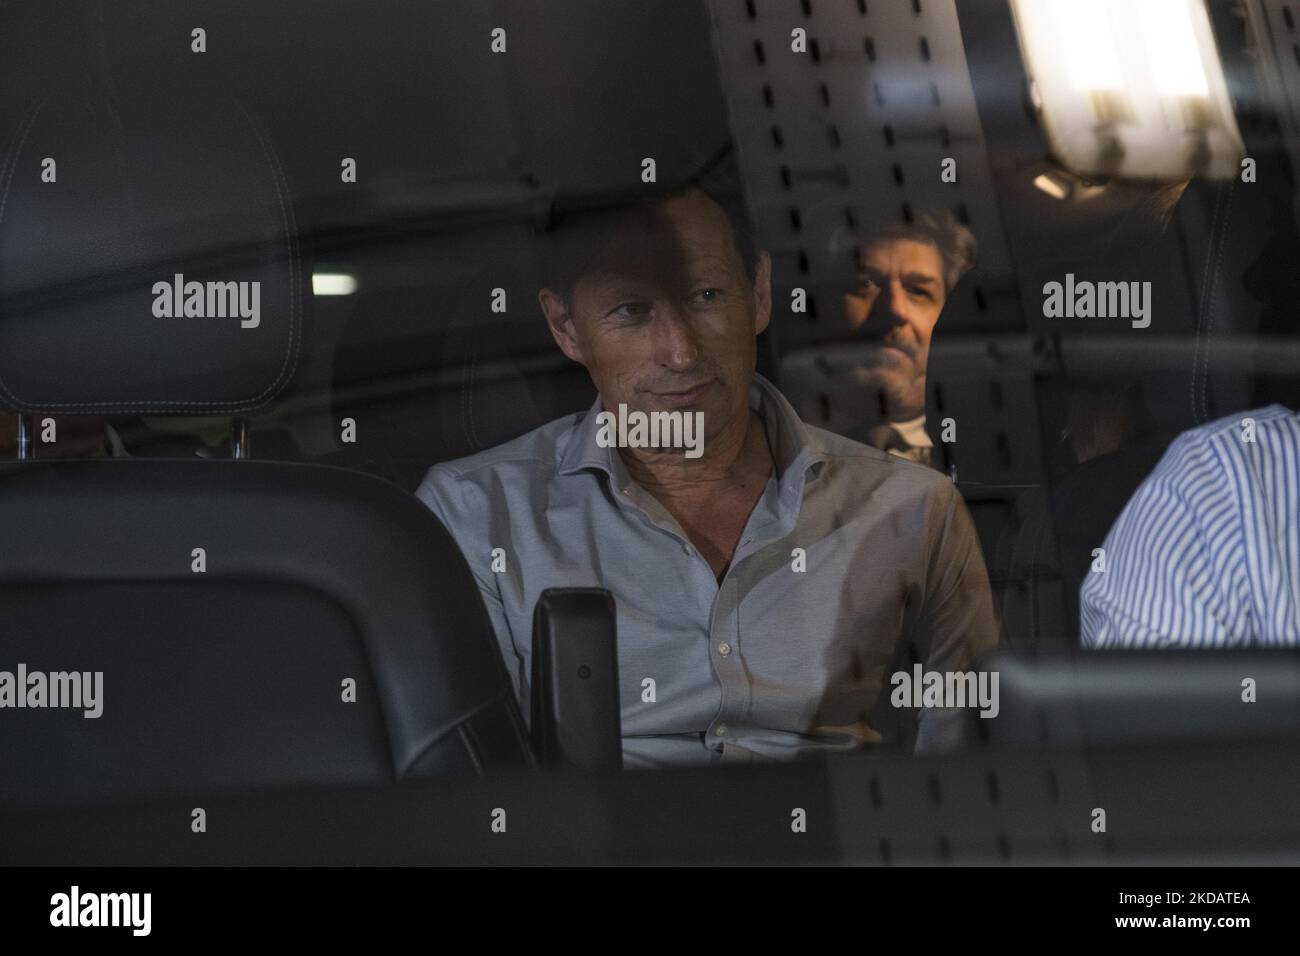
(851, 136)
(984, 808)
(1275, 25)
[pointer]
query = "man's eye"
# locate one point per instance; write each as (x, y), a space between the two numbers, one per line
(708, 296)
(632, 310)
(921, 292)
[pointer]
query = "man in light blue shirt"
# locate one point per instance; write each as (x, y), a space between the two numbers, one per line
(1207, 551)
(766, 587)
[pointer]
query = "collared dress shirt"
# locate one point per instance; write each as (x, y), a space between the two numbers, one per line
(850, 557)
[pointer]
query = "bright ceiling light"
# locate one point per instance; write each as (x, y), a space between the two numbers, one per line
(333, 283)
(1085, 37)
(1129, 88)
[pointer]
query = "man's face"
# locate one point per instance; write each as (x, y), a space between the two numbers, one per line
(666, 316)
(896, 307)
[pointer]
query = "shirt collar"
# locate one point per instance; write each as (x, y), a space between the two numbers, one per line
(795, 448)
(913, 432)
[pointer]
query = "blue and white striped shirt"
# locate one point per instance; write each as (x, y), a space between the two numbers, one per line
(1207, 551)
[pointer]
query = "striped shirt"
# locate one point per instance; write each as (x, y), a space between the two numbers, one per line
(1207, 551)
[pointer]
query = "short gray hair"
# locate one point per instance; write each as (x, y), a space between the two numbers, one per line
(955, 243)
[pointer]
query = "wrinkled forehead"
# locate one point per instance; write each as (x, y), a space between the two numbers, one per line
(901, 255)
(680, 241)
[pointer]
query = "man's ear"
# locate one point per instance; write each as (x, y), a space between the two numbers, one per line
(560, 321)
(762, 292)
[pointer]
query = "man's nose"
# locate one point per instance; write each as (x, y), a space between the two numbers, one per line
(676, 344)
(890, 307)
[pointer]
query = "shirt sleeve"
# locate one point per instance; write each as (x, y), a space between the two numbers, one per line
(957, 623)
(441, 491)
(1172, 572)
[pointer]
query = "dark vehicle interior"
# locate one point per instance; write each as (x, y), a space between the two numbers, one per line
(224, 524)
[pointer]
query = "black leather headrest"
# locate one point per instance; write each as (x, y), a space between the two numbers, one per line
(153, 265)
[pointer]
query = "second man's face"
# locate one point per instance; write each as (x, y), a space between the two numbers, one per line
(896, 307)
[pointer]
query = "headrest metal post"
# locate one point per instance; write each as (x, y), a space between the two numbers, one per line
(239, 439)
(24, 447)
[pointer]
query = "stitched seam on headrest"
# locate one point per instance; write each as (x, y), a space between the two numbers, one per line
(291, 241)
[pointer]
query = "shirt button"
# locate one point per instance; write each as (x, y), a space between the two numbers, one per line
(688, 549)
(724, 648)
(721, 730)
